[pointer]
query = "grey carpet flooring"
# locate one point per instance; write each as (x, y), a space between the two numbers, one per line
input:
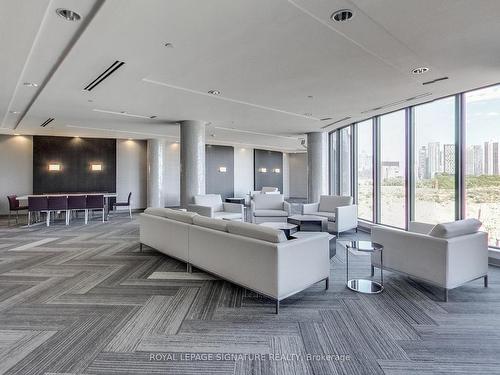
(84, 300)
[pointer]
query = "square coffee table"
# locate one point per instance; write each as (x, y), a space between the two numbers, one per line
(287, 228)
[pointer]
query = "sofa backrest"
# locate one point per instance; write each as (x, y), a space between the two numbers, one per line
(456, 228)
(328, 203)
(208, 222)
(268, 201)
(269, 189)
(210, 200)
(258, 232)
(177, 215)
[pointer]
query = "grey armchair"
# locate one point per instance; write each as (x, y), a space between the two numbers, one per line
(342, 215)
(211, 205)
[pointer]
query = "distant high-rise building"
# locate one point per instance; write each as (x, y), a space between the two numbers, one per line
(488, 158)
(478, 160)
(449, 159)
(422, 163)
(496, 159)
(433, 159)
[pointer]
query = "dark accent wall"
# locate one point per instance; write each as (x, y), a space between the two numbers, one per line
(75, 156)
(270, 160)
(219, 182)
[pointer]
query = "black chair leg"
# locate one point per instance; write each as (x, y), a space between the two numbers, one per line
(486, 281)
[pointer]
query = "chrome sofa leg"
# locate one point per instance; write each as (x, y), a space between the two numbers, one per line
(486, 281)
(445, 295)
(327, 283)
(189, 268)
(373, 271)
(277, 307)
(140, 247)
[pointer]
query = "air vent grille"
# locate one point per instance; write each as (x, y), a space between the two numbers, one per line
(46, 122)
(336, 122)
(342, 15)
(110, 70)
(434, 81)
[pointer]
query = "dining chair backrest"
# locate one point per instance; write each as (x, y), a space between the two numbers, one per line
(13, 202)
(38, 203)
(57, 202)
(95, 201)
(77, 202)
(129, 196)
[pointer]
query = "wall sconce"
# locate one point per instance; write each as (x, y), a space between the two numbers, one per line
(96, 167)
(54, 167)
(222, 169)
(276, 170)
(263, 170)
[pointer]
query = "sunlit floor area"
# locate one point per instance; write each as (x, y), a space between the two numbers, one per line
(85, 300)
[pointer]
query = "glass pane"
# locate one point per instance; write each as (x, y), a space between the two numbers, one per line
(365, 170)
(345, 161)
(434, 168)
(333, 163)
(392, 169)
(482, 163)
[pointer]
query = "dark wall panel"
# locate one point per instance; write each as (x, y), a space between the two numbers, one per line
(219, 182)
(269, 160)
(75, 156)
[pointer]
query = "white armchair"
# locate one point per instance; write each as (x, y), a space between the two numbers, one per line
(211, 205)
(265, 190)
(342, 215)
(269, 207)
(434, 254)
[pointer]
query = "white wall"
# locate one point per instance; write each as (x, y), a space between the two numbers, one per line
(172, 176)
(298, 175)
(16, 168)
(131, 172)
(243, 171)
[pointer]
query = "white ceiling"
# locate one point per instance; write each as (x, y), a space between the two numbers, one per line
(266, 57)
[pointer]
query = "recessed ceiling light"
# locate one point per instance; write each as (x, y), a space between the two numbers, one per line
(214, 92)
(169, 45)
(310, 96)
(68, 15)
(420, 70)
(342, 15)
(30, 84)
(15, 112)
(17, 134)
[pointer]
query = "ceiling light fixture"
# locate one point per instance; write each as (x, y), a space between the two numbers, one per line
(214, 92)
(68, 15)
(30, 84)
(342, 15)
(169, 45)
(420, 70)
(15, 112)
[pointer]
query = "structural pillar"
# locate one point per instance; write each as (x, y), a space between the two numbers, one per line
(317, 165)
(192, 160)
(156, 157)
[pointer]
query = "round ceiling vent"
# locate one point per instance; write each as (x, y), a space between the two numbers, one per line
(68, 15)
(420, 70)
(342, 15)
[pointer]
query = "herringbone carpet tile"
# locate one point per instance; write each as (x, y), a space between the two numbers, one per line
(84, 300)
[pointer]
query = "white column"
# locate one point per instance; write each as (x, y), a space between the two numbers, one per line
(317, 165)
(156, 156)
(192, 160)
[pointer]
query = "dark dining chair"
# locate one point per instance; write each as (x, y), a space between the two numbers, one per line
(15, 207)
(37, 205)
(95, 202)
(57, 203)
(78, 203)
(124, 204)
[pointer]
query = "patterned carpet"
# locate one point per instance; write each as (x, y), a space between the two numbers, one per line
(84, 300)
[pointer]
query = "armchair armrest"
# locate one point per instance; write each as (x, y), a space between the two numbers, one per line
(310, 208)
(417, 227)
(233, 207)
(346, 217)
(201, 210)
(287, 207)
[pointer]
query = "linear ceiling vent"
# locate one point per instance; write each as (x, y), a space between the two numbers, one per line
(112, 68)
(435, 80)
(46, 122)
(336, 122)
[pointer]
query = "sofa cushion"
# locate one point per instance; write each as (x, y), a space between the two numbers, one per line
(329, 215)
(227, 215)
(208, 222)
(455, 228)
(210, 200)
(162, 212)
(328, 203)
(268, 201)
(269, 189)
(256, 231)
(270, 213)
(185, 217)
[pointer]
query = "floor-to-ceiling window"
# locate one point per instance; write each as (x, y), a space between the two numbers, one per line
(482, 159)
(365, 169)
(434, 158)
(334, 168)
(345, 161)
(392, 169)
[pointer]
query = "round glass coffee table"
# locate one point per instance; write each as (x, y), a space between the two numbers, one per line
(364, 285)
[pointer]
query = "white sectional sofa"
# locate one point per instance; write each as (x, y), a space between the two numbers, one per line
(253, 256)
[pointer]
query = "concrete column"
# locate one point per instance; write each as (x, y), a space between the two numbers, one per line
(317, 165)
(192, 160)
(156, 157)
